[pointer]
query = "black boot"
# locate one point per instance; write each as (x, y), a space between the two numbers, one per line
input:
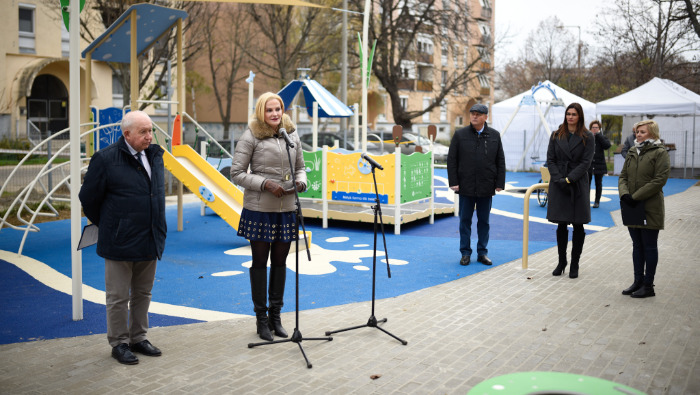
(278, 277)
(576, 249)
(562, 240)
(598, 192)
(258, 288)
(632, 288)
(645, 291)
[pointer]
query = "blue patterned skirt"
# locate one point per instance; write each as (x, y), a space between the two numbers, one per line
(270, 227)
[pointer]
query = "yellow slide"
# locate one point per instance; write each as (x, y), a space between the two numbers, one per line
(202, 179)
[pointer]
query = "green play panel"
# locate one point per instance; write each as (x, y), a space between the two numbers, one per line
(541, 383)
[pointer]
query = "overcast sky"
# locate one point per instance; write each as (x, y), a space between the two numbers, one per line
(521, 17)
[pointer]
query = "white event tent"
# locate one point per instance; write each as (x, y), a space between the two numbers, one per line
(673, 107)
(525, 137)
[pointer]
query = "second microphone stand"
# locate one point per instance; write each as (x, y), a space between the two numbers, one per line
(372, 322)
(296, 336)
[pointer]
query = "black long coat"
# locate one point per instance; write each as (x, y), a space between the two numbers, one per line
(569, 158)
(598, 166)
(127, 206)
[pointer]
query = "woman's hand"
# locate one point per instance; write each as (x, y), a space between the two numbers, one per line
(274, 188)
(300, 186)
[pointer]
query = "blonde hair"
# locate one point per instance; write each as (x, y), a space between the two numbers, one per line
(262, 101)
(652, 127)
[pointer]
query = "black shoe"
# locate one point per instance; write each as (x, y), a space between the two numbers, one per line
(122, 354)
(263, 329)
(632, 288)
(596, 205)
(485, 260)
(561, 268)
(146, 348)
(465, 260)
(644, 292)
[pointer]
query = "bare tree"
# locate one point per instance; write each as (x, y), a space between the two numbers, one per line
(108, 11)
(290, 38)
(220, 29)
(647, 39)
(401, 28)
(551, 52)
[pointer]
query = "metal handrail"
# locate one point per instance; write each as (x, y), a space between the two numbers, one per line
(526, 218)
(185, 114)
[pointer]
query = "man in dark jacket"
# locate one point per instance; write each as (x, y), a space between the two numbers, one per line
(124, 195)
(476, 169)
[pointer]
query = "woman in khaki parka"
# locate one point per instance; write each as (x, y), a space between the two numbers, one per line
(643, 176)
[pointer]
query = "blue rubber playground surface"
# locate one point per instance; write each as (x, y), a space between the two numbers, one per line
(205, 266)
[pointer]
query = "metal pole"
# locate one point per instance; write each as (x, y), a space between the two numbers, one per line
(169, 90)
(363, 77)
(74, 122)
(344, 70)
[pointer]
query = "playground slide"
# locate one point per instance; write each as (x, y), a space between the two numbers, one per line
(206, 182)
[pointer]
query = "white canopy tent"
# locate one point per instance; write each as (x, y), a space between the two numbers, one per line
(672, 106)
(519, 119)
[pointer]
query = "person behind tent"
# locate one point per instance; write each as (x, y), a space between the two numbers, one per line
(268, 218)
(569, 157)
(598, 167)
(641, 181)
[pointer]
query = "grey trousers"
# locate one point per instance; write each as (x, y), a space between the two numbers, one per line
(128, 289)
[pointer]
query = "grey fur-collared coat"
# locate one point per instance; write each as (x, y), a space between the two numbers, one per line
(265, 151)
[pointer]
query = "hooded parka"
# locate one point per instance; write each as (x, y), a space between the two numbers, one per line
(569, 158)
(643, 176)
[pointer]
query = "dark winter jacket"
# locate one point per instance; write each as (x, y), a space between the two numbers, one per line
(643, 176)
(569, 203)
(476, 162)
(127, 206)
(598, 166)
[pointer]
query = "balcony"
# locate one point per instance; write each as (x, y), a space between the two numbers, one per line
(486, 13)
(426, 58)
(416, 85)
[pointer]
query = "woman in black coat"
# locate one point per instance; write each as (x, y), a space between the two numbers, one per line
(569, 156)
(598, 166)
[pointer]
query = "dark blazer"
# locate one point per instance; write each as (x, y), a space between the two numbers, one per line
(569, 203)
(127, 206)
(476, 162)
(598, 166)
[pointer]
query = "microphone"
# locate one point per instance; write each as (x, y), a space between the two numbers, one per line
(371, 161)
(284, 134)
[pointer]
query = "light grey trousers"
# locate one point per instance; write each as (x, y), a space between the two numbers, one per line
(128, 289)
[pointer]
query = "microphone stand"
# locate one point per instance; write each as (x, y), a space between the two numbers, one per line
(372, 322)
(296, 336)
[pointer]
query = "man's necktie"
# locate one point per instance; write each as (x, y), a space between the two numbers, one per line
(142, 158)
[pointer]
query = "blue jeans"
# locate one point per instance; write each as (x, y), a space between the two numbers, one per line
(466, 211)
(645, 254)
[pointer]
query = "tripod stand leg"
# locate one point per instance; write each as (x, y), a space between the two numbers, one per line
(404, 342)
(345, 329)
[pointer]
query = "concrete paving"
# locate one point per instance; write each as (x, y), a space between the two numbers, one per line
(498, 321)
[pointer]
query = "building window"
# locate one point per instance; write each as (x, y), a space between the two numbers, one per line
(484, 54)
(408, 70)
(443, 78)
(484, 81)
(485, 3)
(426, 104)
(425, 44)
(443, 111)
(65, 41)
(117, 92)
(27, 33)
(404, 102)
(444, 50)
(459, 120)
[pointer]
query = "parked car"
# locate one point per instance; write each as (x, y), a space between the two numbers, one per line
(439, 150)
(326, 138)
(407, 144)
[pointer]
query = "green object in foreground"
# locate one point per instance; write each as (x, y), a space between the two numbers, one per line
(550, 383)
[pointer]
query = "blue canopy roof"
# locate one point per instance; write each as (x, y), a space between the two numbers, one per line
(328, 105)
(151, 21)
